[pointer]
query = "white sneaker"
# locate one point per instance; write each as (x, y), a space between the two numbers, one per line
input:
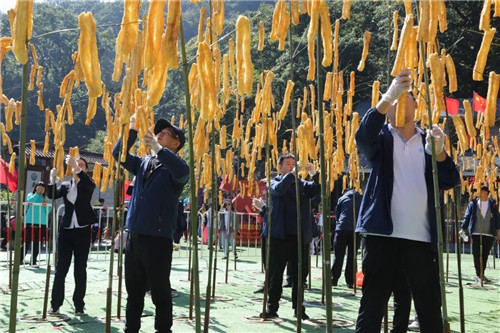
(53, 312)
(414, 326)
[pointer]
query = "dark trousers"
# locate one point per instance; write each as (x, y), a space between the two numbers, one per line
(402, 303)
(148, 260)
(344, 240)
(283, 250)
(383, 259)
(71, 242)
(476, 251)
(36, 234)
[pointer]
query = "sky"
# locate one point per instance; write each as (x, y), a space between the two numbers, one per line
(5, 5)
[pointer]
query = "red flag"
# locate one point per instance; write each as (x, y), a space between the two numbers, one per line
(452, 105)
(478, 102)
(5, 176)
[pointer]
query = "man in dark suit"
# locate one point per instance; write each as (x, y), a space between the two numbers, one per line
(74, 232)
(152, 216)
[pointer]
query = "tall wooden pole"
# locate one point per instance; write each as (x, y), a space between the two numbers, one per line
(195, 278)
(446, 325)
(327, 246)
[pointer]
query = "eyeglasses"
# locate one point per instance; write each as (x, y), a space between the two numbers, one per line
(168, 131)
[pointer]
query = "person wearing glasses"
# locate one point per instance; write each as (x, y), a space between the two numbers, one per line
(74, 232)
(151, 219)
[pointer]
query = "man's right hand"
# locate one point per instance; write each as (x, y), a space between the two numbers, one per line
(132, 122)
(53, 175)
(258, 203)
(399, 85)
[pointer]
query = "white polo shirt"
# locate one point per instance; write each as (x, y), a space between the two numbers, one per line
(409, 195)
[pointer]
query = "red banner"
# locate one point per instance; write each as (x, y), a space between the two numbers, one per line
(6, 177)
(478, 102)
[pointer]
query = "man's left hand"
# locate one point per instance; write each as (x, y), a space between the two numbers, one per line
(438, 135)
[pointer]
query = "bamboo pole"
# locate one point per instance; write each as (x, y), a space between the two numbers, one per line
(213, 204)
(298, 282)
(268, 220)
(355, 248)
(327, 272)
(48, 271)
(457, 251)
(192, 184)
(446, 325)
(20, 198)
(121, 222)
(117, 193)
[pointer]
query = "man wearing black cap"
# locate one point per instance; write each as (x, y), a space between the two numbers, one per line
(160, 179)
(483, 224)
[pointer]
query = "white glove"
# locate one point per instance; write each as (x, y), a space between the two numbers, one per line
(132, 122)
(438, 135)
(53, 175)
(71, 161)
(258, 203)
(150, 140)
(399, 85)
(311, 170)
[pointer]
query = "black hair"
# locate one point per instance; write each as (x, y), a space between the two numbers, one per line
(86, 163)
(38, 184)
(285, 156)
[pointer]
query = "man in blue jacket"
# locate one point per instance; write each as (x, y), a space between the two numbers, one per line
(284, 229)
(483, 224)
(347, 209)
(397, 213)
(151, 218)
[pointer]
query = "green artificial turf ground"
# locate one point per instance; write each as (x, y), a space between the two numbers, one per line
(234, 308)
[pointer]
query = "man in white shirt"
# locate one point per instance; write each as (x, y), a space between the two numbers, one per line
(483, 225)
(397, 215)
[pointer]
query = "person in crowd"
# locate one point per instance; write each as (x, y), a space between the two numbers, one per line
(74, 236)
(346, 211)
(397, 214)
(151, 218)
(284, 230)
(226, 228)
(36, 221)
(3, 245)
(482, 222)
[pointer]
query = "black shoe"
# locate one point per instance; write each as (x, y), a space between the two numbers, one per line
(79, 312)
(304, 315)
(288, 285)
(350, 286)
(258, 291)
(270, 315)
(334, 283)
